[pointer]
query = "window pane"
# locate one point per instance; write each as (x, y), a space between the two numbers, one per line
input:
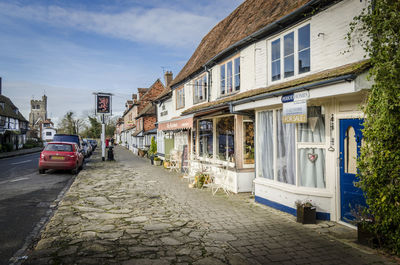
(229, 76)
(237, 65)
(200, 92)
(195, 91)
(314, 130)
(237, 74)
(288, 44)
(304, 37)
(289, 66)
(265, 145)
(304, 61)
(225, 138)
(206, 137)
(312, 167)
(286, 151)
(203, 95)
(276, 70)
(222, 69)
(248, 149)
(59, 147)
(237, 82)
(276, 50)
(350, 152)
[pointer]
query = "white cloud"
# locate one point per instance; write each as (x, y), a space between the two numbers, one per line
(157, 25)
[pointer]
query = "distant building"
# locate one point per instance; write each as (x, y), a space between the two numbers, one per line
(48, 130)
(38, 114)
(13, 126)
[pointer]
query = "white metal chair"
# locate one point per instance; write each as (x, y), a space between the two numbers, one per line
(220, 178)
(174, 161)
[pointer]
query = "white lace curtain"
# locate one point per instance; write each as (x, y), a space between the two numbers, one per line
(265, 144)
(286, 150)
(312, 160)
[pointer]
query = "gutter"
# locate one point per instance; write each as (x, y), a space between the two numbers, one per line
(347, 78)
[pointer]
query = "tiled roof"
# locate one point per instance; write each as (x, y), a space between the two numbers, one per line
(148, 109)
(353, 68)
(9, 109)
(248, 18)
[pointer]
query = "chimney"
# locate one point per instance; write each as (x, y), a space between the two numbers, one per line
(167, 78)
(0, 85)
(134, 97)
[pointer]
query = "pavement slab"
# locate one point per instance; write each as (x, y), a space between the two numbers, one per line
(129, 212)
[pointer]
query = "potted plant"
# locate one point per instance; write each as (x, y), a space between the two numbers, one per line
(306, 212)
(199, 179)
(152, 150)
(364, 222)
(157, 161)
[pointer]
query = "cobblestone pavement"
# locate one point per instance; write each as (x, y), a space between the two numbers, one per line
(129, 212)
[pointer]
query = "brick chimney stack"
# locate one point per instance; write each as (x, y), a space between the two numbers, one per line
(167, 78)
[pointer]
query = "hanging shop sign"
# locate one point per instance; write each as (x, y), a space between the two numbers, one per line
(295, 107)
(103, 103)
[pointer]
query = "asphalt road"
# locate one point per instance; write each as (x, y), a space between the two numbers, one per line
(25, 198)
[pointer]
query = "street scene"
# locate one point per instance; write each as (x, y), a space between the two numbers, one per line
(212, 132)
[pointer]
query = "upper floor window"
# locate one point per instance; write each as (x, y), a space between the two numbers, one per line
(230, 76)
(285, 51)
(200, 88)
(180, 98)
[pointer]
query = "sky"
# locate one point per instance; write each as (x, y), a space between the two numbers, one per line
(69, 49)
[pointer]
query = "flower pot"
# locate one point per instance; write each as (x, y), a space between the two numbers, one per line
(306, 214)
(365, 236)
(157, 162)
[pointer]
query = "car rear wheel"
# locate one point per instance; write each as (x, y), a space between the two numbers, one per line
(42, 171)
(75, 170)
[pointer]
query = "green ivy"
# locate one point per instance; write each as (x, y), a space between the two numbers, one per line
(377, 29)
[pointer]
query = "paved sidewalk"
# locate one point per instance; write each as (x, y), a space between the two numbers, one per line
(129, 212)
(20, 152)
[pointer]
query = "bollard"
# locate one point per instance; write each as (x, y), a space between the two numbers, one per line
(110, 153)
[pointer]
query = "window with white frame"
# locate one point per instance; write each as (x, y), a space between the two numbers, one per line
(180, 98)
(200, 89)
(293, 49)
(230, 76)
(290, 153)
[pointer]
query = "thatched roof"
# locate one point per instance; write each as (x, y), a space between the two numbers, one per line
(248, 18)
(9, 109)
(353, 68)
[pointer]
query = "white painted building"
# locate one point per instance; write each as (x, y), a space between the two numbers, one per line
(48, 131)
(248, 84)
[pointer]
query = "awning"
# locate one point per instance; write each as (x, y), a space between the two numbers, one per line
(185, 122)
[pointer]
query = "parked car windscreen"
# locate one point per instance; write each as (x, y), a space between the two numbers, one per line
(59, 147)
(66, 138)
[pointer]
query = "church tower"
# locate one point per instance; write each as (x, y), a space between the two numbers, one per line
(38, 112)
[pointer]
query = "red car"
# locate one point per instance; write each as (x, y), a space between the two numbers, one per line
(61, 155)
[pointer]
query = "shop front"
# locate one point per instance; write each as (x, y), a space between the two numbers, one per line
(224, 144)
(306, 150)
(175, 135)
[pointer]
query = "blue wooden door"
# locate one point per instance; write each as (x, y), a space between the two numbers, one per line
(351, 197)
